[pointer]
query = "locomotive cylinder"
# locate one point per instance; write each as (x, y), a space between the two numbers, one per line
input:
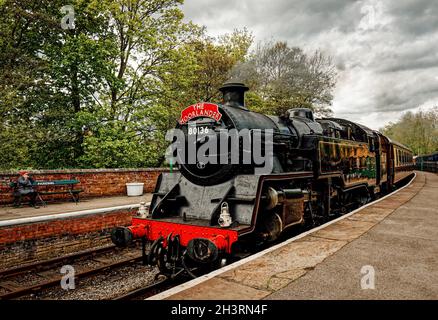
(276, 197)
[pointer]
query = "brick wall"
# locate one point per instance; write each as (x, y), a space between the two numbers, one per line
(24, 252)
(28, 243)
(94, 182)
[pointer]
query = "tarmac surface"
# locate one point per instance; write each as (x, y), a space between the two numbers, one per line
(385, 250)
(10, 213)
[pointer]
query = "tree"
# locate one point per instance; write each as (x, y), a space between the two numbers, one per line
(65, 93)
(418, 131)
(23, 26)
(211, 61)
(284, 77)
(215, 59)
(150, 70)
(48, 75)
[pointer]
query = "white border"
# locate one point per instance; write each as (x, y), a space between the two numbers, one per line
(60, 216)
(194, 282)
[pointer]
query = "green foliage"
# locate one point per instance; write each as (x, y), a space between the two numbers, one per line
(48, 74)
(214, 60)
(418, 131)
(149, 71)
(104, 93)
(99, 92)
(285, 77)
(113, 147)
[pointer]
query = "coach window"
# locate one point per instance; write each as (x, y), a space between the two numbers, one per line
(372, 144)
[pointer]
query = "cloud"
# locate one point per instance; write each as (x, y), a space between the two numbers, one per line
(386, 52)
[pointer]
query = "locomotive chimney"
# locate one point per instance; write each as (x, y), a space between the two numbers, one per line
(234, 94)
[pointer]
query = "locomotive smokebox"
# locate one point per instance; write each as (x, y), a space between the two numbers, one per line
(234, 94)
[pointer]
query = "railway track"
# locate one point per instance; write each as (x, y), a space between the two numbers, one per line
(46, 274)
(50, 262)
(161, 284)
(148, 290)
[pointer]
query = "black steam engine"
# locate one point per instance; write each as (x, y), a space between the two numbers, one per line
(313, 170)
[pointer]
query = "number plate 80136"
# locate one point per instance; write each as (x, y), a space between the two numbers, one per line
(198, 130)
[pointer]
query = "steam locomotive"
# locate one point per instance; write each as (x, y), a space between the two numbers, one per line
(209, 211)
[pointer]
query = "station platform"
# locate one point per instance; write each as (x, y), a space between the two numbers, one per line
(11, 213)
(385, 250)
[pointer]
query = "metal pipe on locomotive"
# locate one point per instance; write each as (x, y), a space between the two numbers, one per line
(209, 210)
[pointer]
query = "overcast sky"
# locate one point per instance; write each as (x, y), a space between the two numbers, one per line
(386, 51)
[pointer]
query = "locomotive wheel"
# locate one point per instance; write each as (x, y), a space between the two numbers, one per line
(166, 259)
(272, 225)
(195, 269)
(343, 210)
(162, 261)
(153, 253)
(192, 271)
(173, 250)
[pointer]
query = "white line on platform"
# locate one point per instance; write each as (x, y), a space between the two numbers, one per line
(194, 282)
(74, 214)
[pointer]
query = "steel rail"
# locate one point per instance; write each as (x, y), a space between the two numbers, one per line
(40, 265)
(22, 291)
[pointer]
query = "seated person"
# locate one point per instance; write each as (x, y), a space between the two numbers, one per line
(25, 188)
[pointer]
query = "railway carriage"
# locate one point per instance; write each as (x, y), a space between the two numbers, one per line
(403, 162)
(427, 162)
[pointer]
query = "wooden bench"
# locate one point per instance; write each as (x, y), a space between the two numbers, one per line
(40, 191)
